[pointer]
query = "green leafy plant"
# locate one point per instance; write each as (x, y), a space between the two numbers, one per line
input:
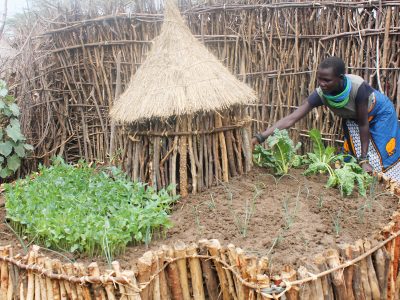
(348, 176)
(88, 209)
(12, 142)
(345, 176)
(280, 155)
(322, 158)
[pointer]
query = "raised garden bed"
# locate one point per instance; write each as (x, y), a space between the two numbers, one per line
(284, 221)
(287, 219)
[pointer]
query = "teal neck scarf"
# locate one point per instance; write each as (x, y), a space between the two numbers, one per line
(341, 99)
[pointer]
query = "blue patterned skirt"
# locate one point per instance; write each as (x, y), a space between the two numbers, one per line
(384, 143)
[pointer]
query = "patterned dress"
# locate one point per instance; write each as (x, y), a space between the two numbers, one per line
(383, 149)
(384, 145)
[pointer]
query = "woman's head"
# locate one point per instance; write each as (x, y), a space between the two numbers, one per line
(330, 74)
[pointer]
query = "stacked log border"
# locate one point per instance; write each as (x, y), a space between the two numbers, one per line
(68, 72)
(367, 269)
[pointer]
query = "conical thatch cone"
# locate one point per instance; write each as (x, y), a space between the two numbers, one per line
(180, 76)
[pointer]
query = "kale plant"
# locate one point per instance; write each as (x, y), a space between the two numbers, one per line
(280, 154)
(344, 175)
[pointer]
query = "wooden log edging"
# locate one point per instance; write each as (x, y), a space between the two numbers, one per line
(208, 270)
(104, 283)
(314, 277)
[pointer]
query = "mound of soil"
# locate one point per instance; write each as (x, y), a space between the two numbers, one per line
(290, 219)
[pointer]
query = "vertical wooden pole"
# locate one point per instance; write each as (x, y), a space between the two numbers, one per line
(195, 273)
(4, 273)
(357, 276)
(49, 285)
(183, 176)
(222, 146)
(173, 274)
(43, 285)
(193, 168)
(109, 288)
(234, 261)
(155, 278)
(224, 255)
(364, 271)
(98, 290)
(164, 290)
(226, 121)
(214, 247)
(117, 269)
(180, 252)
(372, 279)
(80, 270)
(60, 283)
(144, 268)
(118, 89)
(13, 278)
(209, 274)
(247, 151)
(381, 261)
(332, 259)
(132, 290)
(69, 287)
(347, 254)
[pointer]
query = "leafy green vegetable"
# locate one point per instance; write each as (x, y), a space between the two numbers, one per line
(345, 176)
(12, 142)
(280, 155)
(349, 175)
(86, 209)
(322, 157)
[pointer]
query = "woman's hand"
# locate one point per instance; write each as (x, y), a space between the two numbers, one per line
(254, 142)
(367, 167)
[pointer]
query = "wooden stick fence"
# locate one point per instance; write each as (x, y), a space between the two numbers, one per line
(67, 77)
(210, 271)
(191, 152)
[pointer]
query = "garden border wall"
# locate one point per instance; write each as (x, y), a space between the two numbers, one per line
(365, 270)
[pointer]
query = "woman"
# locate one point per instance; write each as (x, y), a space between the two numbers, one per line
(370, 121)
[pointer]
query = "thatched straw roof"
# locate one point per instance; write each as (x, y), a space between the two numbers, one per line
(180, 76)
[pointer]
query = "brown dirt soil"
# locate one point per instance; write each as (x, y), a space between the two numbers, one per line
(288, 219)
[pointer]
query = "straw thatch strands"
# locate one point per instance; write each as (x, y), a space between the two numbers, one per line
(179, 77)
(186, 125)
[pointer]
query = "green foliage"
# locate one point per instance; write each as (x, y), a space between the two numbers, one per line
(86, 209)
(345, 176)
(12, 142)
(348, 176)
(322, 157)
(280, 155)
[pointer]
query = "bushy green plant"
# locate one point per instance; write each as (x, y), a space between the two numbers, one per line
(345, 176)
(321, 159)
(12, 142)
(349, 175)
(86, 209)
(280, 154)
